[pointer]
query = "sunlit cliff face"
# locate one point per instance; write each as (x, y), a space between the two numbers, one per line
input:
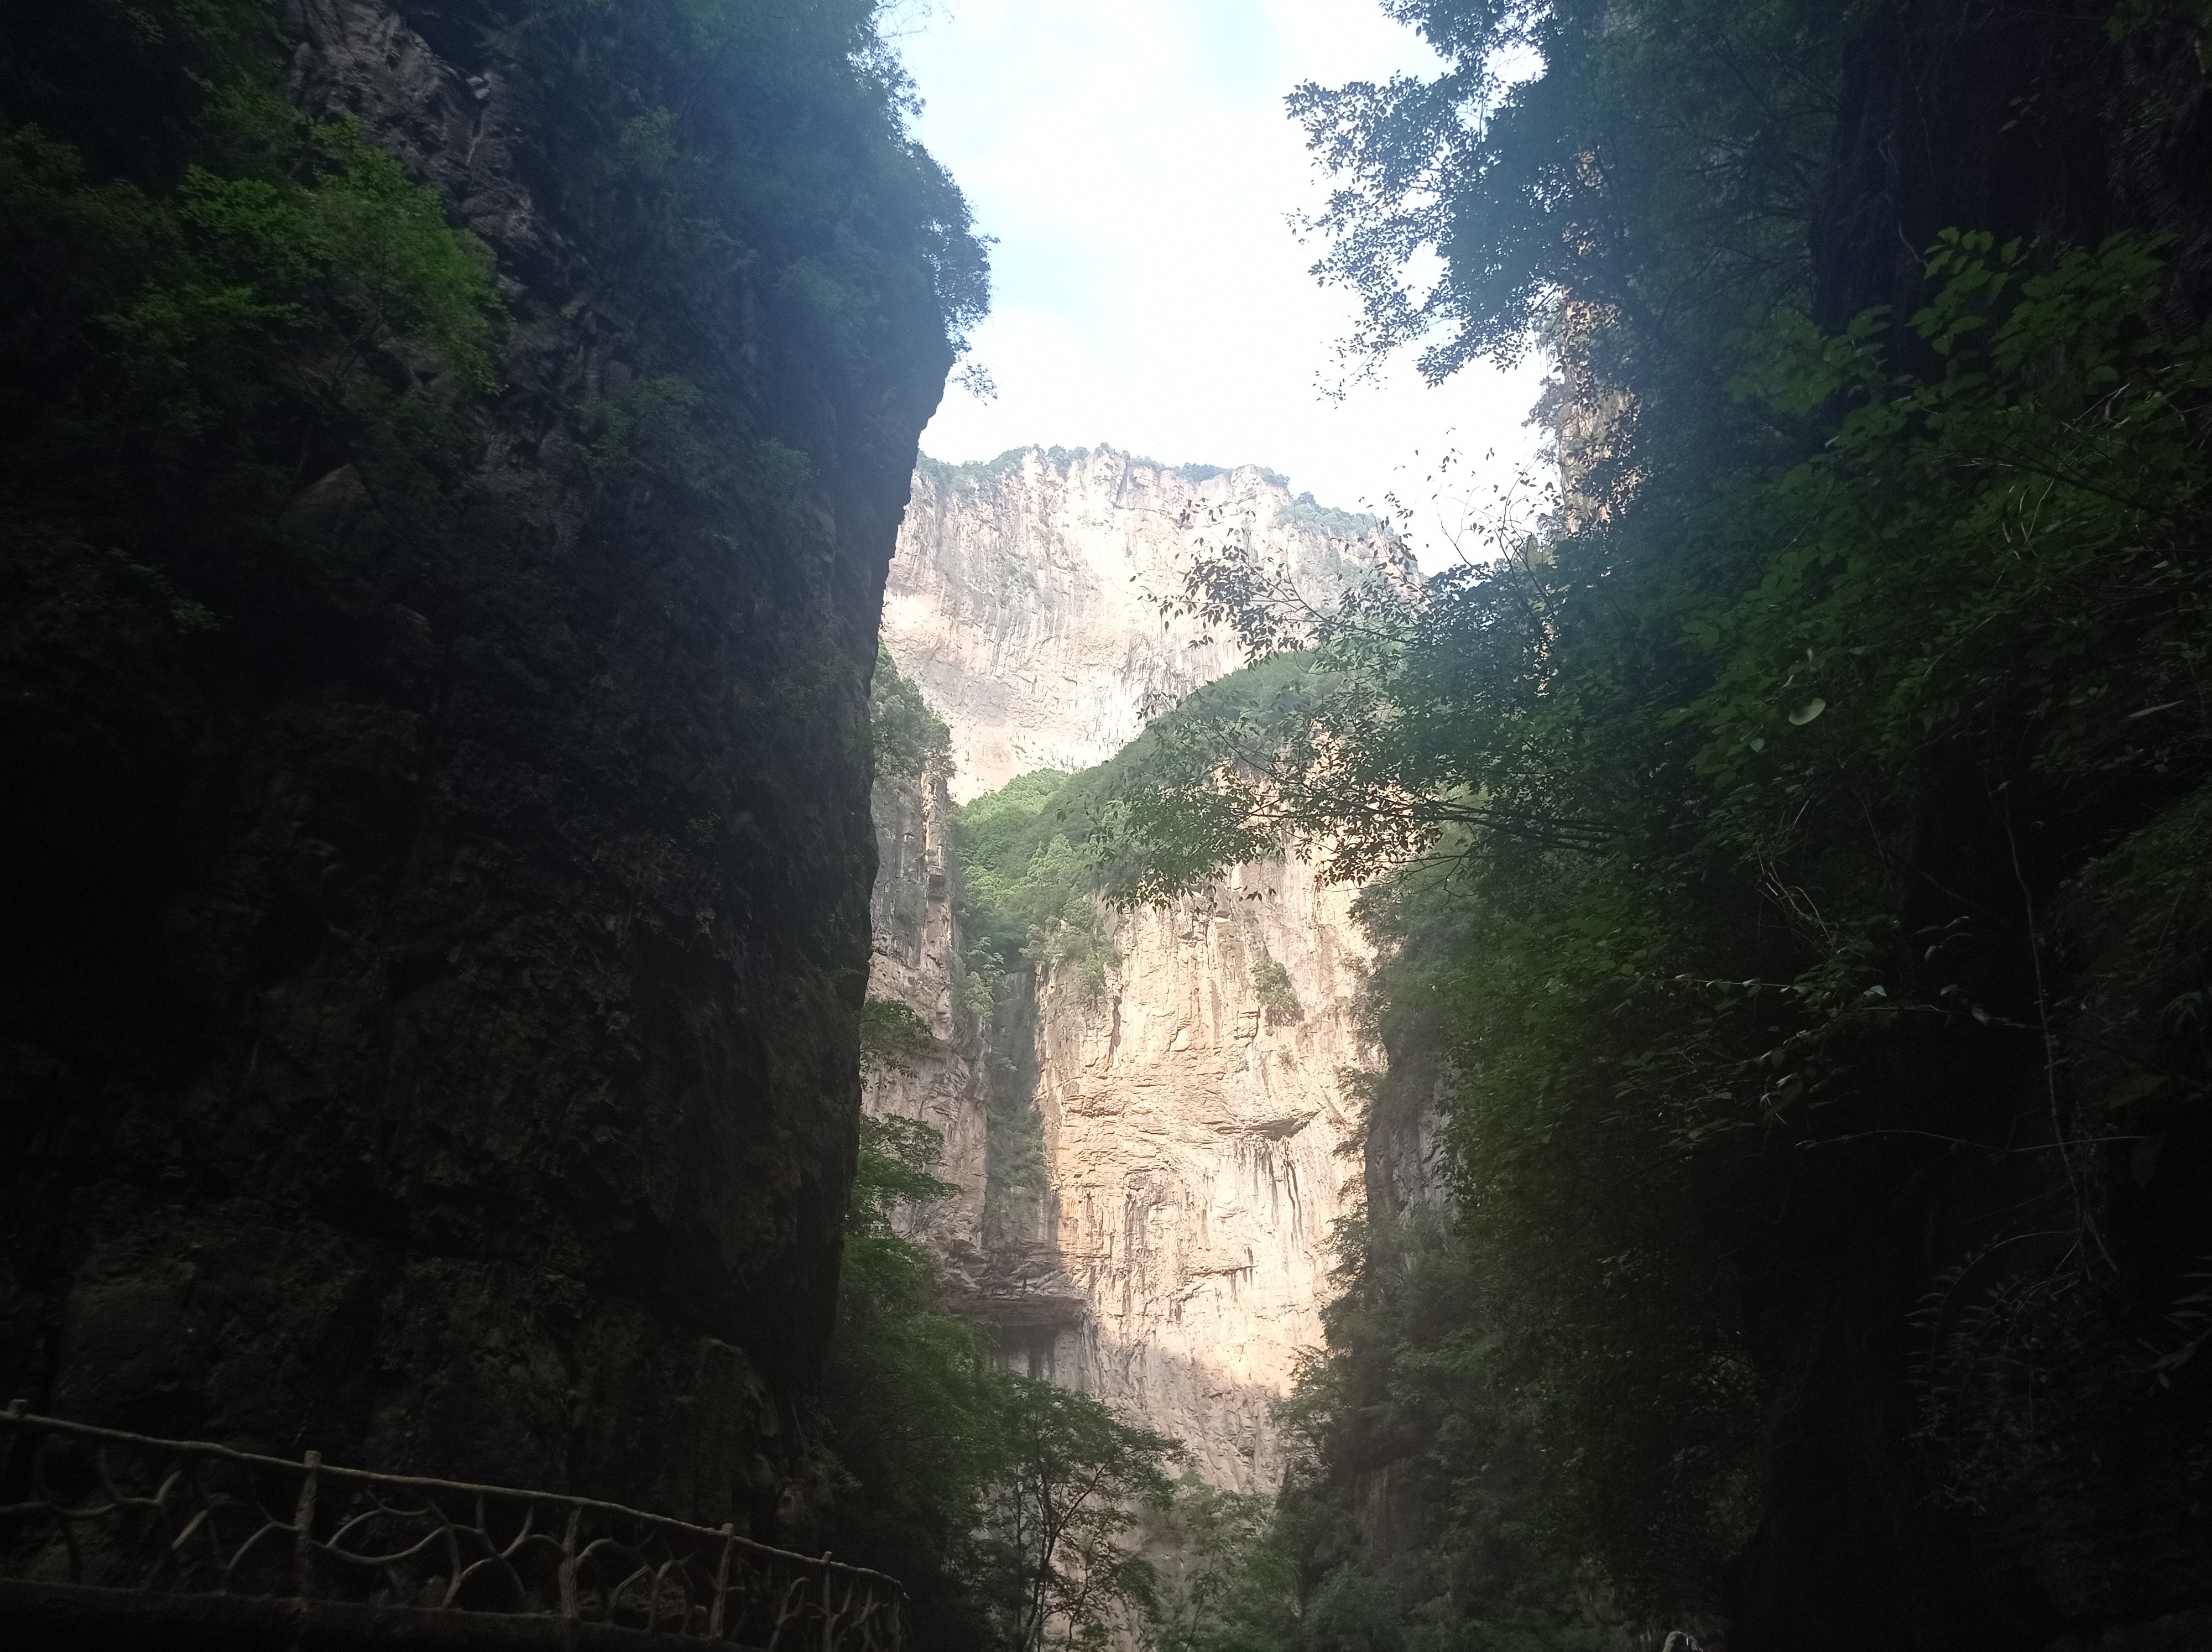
(1026, 595)
(1193, 1135)
(1192, 1109)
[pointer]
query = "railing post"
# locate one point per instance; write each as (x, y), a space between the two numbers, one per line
(303, 1526)
(774, 1582)
(721, 1583)
(568, 1564)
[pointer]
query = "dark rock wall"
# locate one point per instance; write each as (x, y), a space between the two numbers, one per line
(1400, 1501)
(2037, 122)
(430, 1029)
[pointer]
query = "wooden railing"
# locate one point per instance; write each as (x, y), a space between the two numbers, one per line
(93, 1508)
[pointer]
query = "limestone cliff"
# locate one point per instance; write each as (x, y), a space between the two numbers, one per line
(1194, 1116)
(1024, 597)
(1175, 1257)
(916, 963)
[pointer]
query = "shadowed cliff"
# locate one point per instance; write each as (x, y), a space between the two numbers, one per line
(436, 843)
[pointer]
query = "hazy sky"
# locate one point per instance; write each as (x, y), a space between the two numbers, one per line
(1135, 163)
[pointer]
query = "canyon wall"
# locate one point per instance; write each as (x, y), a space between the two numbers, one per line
(1194, 1131)
(1025, 596)
(428, 1018)
(1192, 1110)
(916, 963)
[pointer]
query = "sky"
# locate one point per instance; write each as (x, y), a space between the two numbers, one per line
(1137, 167)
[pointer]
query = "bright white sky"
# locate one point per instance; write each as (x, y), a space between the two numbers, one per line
(1135, 163)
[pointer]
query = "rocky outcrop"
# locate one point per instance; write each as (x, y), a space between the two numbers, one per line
(916, 963)
(1025, 597)
(1175, 1257)
(430, 994)
(1194, 1116)
(1195, 1113)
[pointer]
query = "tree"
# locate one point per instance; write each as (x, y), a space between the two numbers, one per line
(1222, 1577)
(1004, 1503)
(911, 741)
(1767, 835)
(1058, 1515)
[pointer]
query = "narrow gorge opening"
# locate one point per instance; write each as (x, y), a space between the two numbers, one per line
(1162, 1094)
(672, 963)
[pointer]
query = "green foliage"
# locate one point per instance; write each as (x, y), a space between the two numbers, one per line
(2003, 532)
(1219, 1573)
(958, 478)
(1016, 1179)
(2130, 16)
(1644, 175)
(645, 432)
(269, 289)
(1653, 791)
(1027, 898)
(892, 1037)
(1413, 1379)
(1326, 519)
(781, 146)
(245, 333)
(895, 1157)
(1002, 1503)
(909, 1401)
(1029, 886)
(1185, 799)
(2142, 914)
(1272, 984)
(1058, 1519)
(911, 741)
(358, 257)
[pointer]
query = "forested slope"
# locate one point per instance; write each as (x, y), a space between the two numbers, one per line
(1794, 843)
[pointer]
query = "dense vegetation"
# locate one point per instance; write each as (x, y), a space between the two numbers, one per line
(1003, 1503)
(254, 370)
(1028, 906)
(1018, 1514)
(1027, 888)
(1792, 847)
(438, 558)
(909, 740)
(236, 298)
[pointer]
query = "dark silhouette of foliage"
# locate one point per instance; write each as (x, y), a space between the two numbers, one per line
(1753, 823)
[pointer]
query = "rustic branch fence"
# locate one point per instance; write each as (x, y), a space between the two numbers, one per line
(89, 1507)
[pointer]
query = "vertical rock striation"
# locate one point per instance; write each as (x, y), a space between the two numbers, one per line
(1194, 1131)
(1025, 597)
(917, 963)
(1176, 1258)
